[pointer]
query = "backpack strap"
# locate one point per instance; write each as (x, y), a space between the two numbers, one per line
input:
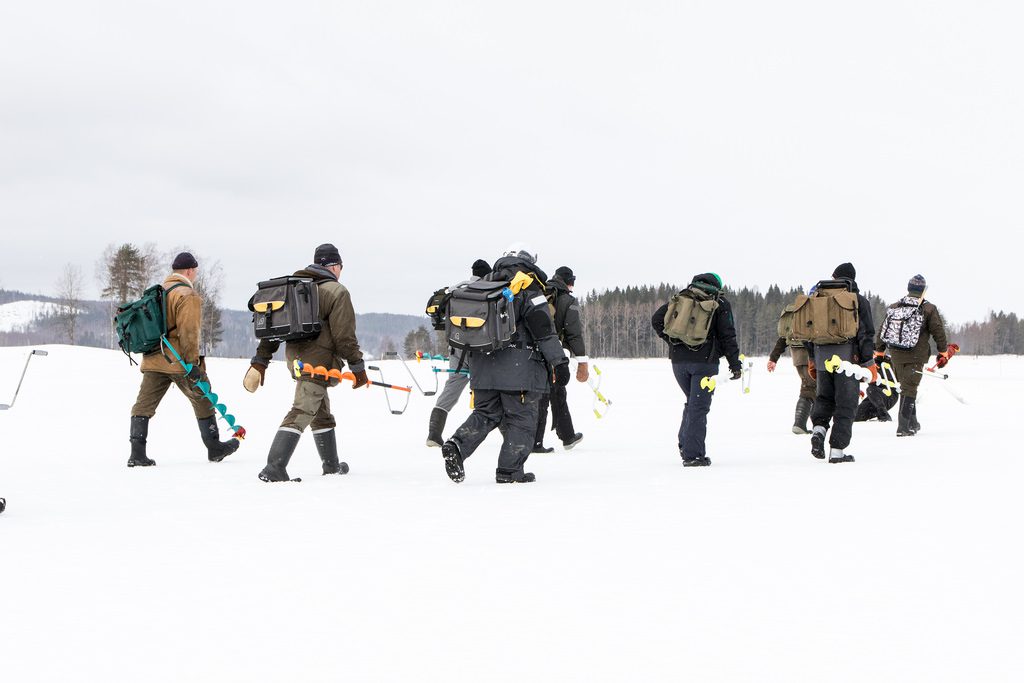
(163, 305)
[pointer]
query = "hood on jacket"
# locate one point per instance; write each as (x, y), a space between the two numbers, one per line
(316, 272)
(506, 267)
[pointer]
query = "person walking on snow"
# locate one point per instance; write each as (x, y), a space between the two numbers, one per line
(695, 366)
(336, 343)
(508, 383)
(569, 328)
(805, 401)
(837, 394)
(905, 333)
(184, 322)
(457, 381)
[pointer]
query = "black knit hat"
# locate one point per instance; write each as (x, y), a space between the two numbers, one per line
(327, 255)
(481, 268)
(184, 261)
(845, 271)
(565, 274)
(917, 284)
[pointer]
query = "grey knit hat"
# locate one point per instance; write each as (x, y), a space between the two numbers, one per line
(917, 284)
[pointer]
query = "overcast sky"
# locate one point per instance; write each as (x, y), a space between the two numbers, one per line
(637, 142)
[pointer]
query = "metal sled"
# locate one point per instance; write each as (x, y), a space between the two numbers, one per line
(426, 392)
(387, 399)
(34, 352)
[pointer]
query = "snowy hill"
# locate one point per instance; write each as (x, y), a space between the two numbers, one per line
(617, 565)
(19, 316)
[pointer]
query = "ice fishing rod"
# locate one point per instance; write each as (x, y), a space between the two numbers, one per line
(34, 352)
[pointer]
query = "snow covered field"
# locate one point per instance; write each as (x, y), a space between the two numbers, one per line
(618, 564)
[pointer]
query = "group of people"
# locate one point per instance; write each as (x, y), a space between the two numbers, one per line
(903, 341)
(514, 383)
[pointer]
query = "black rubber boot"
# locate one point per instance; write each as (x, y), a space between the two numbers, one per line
(818, 444)
(510, 477)
(702, 461)
(914, 424)
(137, 435)
(837, 455)
(216, 450)
(327, 447)
(903, 427)
(801, 414)
(3, 504)
(571, 443)
(280, 453)
(453, 461)
(435, 429)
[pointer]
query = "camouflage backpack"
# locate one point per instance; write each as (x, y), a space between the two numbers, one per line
(903, 323)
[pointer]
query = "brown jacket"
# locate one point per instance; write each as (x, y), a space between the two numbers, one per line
(933, 327)
(336, 343)
(184, 317)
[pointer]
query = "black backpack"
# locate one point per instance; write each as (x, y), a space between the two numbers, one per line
(437, 307)
(286, 309)
(481, 316)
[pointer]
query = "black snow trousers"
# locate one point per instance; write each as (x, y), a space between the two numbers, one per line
(837, 397)
(693, 428)
(516, 410)
(559, 401)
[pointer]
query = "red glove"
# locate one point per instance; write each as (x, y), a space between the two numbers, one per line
(942, 359)
(811, 370)
(879, 357)
(874, 373)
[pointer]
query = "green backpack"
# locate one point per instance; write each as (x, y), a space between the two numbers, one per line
(689, 315)
(141, 324)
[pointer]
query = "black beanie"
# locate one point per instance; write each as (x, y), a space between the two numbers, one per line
(481, 268)
(565, 274)
(917, 284)
(845, 271)
(184, 261)
(327, 255)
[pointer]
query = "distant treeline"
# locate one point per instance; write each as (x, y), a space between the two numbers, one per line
(617, 322)
(1001, 333)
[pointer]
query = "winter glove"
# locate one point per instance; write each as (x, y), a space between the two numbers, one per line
(812, 370)
(771, 366)
(736, 374)
(562, 374)
(254, 377)
(361, 379)
(941, 359)
(194, 375)
(582, 372)
(874, 372)
(879, 357)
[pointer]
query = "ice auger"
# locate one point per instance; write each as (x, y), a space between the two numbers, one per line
(204, 389)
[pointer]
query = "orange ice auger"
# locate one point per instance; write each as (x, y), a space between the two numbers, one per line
(300, 369)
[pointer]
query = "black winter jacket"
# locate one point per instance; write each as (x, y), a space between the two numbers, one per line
(568, 324)
(721, 341)
(864, 344)
(525, 366)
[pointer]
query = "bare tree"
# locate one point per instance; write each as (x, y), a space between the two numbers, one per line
(69, 300)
